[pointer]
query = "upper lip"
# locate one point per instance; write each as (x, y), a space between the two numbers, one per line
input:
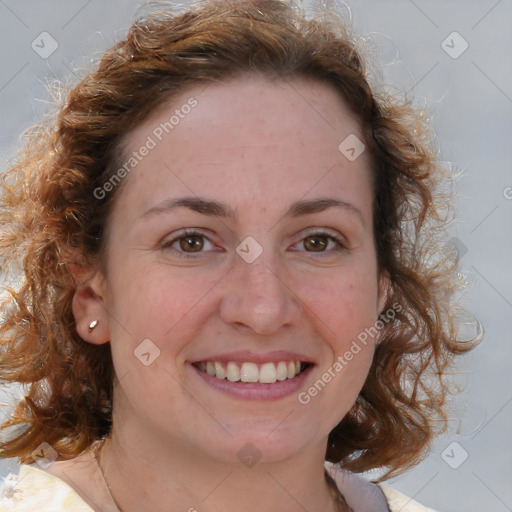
(242, 356)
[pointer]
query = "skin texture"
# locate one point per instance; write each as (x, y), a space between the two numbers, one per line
(258, 146)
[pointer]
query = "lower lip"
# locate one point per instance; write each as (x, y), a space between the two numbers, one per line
(255, 390)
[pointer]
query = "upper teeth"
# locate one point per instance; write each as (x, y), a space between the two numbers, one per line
(266, 373)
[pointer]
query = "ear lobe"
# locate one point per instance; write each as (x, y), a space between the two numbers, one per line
(89, 305)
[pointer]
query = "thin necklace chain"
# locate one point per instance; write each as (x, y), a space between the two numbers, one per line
(335, 492)
(104, 477)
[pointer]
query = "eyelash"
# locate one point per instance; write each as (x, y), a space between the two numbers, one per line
(180, 236)
(192, 233)
(340, 244)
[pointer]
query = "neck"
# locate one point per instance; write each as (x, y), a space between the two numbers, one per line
(139, 481)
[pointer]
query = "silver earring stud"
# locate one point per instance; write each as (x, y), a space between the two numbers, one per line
(92, 325)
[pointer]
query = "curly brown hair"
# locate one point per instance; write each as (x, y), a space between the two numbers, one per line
(52, 219)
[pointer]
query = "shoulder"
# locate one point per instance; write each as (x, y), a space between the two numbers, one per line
(34, 490)
(363, 495)
(400, 502)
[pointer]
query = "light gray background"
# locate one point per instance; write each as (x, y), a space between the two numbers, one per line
(470, 100)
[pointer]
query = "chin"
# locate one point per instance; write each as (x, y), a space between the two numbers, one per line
(250, 447)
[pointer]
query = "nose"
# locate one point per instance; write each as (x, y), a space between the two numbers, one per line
(257, 297)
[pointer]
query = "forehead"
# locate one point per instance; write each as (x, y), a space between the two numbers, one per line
(275, 137)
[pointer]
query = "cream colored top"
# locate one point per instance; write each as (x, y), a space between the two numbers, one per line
(35, 490)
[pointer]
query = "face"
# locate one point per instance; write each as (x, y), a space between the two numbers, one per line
(241, 246)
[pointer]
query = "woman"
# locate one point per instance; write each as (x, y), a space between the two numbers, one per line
(232, 291)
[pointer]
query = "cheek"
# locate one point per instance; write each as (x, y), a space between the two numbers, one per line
(153, 318)
(346, 304)
(346, 313)
(158, 304)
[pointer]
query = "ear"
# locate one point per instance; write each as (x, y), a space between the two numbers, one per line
(382, 297)
(383, 291)
(89, 304)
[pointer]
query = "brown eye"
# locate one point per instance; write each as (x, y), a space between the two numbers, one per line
(316, 243)
(193, 243)
(189, 244)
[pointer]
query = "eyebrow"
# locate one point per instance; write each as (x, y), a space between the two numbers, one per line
(218, 209)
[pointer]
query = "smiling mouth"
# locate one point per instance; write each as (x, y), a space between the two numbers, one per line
(267, 373)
